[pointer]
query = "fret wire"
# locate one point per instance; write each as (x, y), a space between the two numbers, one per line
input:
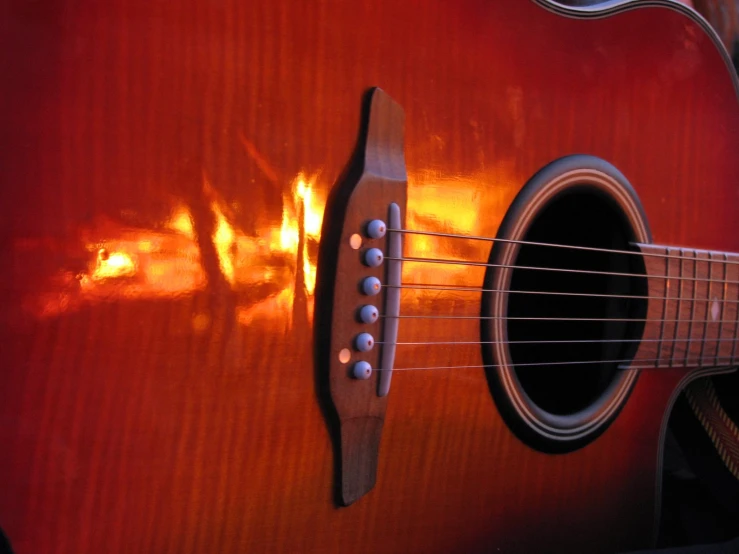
(708, 309)
(442, 261)
(679, 304)
(723, 297)
(534, 243)
(664, 304)
(736, 327)
(692, 307)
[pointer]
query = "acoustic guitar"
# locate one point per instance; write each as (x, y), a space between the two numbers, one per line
(369, 276)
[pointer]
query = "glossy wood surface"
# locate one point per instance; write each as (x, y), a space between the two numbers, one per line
(164, 170)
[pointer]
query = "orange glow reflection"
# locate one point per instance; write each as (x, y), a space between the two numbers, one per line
(279, 304)
(126, 262)
(142, 263)
(446, 206)
(302, 217)
(275, 267)
(301, 210)
(312, 220)
(121, 262)
(313, 211)
(224, 241)
(111, 265)
(181, 221)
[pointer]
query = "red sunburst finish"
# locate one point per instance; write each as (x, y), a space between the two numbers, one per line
(164, 171)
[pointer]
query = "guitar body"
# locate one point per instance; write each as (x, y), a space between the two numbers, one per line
(165, 167)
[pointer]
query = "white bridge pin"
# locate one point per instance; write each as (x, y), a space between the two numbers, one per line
(364, 342)
(362, 370)
(371, 286)
(373, 257)
(368, 314)
(376, 229)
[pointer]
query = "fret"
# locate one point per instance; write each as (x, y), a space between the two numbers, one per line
(682, 326)
(665, 294)
(710, 326)
(670, 312)
(731, 309)
(722, 308)
(647, 353)
(703, 267)
(706, 314)
(699, 315)
(680, 294)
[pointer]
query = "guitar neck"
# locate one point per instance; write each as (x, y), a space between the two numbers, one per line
(692, 309)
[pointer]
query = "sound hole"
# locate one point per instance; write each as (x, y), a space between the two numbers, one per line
(602, 326)
(4, 544)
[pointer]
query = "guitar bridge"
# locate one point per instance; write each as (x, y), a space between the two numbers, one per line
(358, 295)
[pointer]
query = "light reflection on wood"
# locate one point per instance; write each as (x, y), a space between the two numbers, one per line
(119, 262)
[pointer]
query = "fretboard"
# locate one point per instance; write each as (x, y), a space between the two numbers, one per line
(692, 308)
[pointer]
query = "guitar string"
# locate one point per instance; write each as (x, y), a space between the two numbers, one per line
(453, 288)
(563, 341)
(591, 319)
(695, 259)
(586, 248)
(627, 319)
(559, 270)
(716, 361)
(709, 260)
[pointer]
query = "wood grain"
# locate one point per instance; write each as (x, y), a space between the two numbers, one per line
(169, 404)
